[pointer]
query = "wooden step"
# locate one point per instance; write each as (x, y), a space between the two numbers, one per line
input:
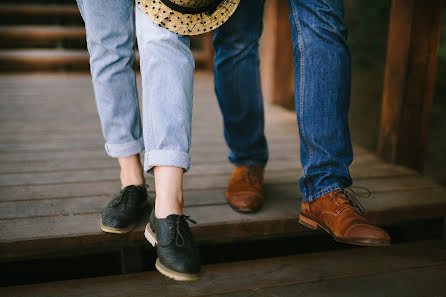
(43, 36)
(414, 269)
(43, 14)
(43, 60)
(55, 177)
(42, 9)
(35, 60)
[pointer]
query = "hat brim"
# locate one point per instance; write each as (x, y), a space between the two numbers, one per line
(188, 24)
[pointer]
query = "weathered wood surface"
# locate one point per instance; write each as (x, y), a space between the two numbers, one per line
(412, 49)
(416, 269)
(55, 176)
(35, 10)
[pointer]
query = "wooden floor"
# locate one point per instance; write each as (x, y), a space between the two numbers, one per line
(409, 270)
(55, 177)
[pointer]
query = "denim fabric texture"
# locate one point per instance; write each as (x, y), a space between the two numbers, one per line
(322, 95)
(322, 87)
(167, 66)
(237, 84)
(322, 90)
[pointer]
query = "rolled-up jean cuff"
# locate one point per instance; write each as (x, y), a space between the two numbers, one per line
(322, 193)
(125, 149)
(166, 158)
(251, 163)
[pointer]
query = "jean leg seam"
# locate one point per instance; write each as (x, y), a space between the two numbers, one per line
(301, 94)
(135, 87)
(149, 102)
(258, 84)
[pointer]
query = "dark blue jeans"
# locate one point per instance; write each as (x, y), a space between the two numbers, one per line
(322, 90)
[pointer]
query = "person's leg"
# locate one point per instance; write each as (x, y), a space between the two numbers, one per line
(167, 67)
(110, 39)
(239, 94)
(167, 71)
(237, 84)
(322, 95)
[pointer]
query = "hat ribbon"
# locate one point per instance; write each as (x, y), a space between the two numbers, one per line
(209, 10)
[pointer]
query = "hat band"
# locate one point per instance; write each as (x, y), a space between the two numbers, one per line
(192, 10)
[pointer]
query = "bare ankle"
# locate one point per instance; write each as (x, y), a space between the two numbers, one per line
(132, 172)
(164, 208)
(169, 191)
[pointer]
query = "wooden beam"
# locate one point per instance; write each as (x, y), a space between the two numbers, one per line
(277, 55)
(412, 49)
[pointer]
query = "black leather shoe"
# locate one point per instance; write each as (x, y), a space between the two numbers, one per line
(178, 256)
(125, 210)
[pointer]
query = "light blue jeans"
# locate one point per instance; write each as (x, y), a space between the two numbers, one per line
(167, 67)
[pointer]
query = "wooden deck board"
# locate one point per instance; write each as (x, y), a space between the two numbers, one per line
(55, 176)
(416, 269)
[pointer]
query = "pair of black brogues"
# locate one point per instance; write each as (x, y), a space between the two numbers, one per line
(178, 256)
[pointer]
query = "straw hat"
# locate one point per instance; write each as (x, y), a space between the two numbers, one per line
(189, 17)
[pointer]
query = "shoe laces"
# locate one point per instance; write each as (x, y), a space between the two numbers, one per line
(253, 175)
(351, 197)
(122, 197)
(179, 235)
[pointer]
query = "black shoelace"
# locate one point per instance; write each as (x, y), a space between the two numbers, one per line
(350, 195)
(180, 219)
(123, 197)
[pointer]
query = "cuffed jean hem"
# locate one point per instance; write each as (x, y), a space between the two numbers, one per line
(127, 149)
(322, 193)
(250, 163)
(166, 158)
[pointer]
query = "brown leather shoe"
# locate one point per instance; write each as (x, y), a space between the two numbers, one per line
(245, 190)
(340, 214)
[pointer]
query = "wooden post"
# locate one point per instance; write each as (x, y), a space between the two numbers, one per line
(204, 58)
(208, 50)
(412, 49)
(277, 55)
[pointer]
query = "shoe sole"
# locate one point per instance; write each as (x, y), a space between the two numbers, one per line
(246, 210)
(116, 230)
(314, 225)
(178, 276)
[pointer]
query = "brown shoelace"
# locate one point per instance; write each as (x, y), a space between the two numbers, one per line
(351, 197)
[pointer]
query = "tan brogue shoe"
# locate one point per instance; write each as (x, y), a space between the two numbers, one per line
(340, 214)
(245, 190)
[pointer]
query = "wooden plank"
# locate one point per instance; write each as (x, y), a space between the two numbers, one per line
(34, 207)
(41, 33)
(60, 234)
(212, 179)
(412, 48)
(200, 137)
(277, 55)
(205, 153)
(85, 187)
(214, 164)
(425, 281)
(45, 10)
(26, 237)
(203, 144)
(314, 270)
(54, 59)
